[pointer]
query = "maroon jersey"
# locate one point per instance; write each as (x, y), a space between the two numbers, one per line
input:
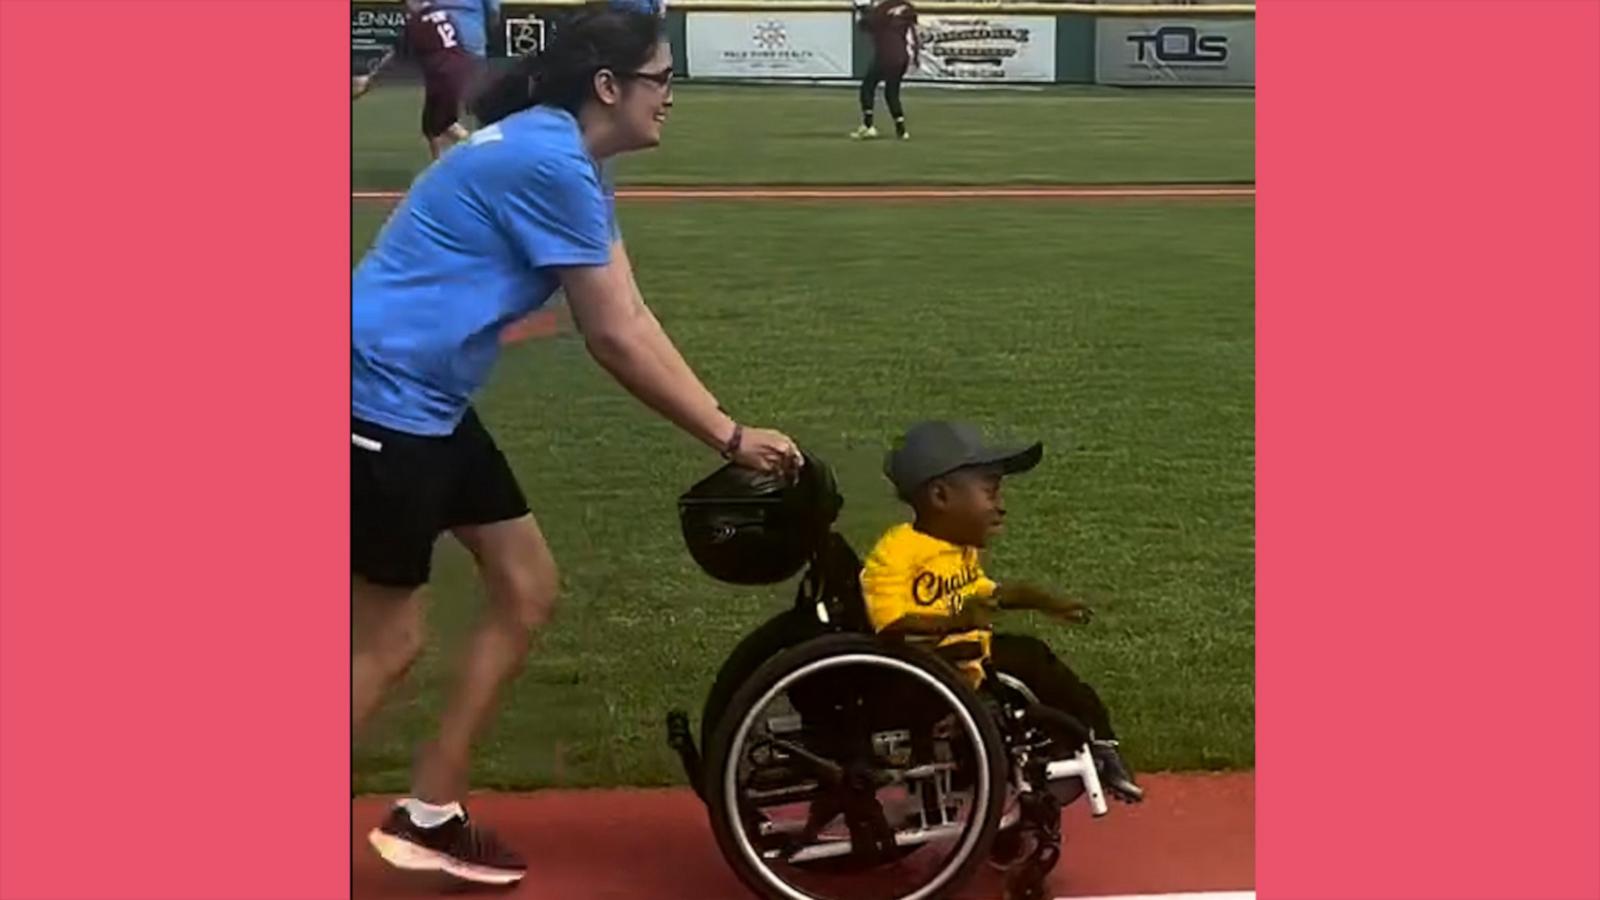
(891, 25)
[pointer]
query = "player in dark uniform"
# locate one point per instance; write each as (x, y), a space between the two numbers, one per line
(895, 47)
(449, 41)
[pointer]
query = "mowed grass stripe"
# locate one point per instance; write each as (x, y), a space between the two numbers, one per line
(1120, 335)
(796, 135)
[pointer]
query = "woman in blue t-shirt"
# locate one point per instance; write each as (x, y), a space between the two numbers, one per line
(483, 238)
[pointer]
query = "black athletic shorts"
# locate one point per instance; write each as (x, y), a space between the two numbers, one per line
(406, 489)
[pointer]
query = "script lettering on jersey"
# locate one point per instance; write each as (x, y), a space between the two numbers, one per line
(929, 588)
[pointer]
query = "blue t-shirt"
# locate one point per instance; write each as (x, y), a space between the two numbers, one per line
(471, 19)
(654, 7)
(472, 248)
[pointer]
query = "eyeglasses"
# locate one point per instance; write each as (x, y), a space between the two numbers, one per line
(662, 78)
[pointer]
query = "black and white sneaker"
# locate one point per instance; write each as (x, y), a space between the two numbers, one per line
(1115, 775)
(457, 847)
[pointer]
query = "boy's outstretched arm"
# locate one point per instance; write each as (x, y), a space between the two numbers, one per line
(1019, 595)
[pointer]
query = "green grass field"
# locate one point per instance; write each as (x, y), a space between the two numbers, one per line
(795, 135)
(1120, 333)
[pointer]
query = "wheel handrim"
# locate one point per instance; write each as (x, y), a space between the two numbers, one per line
(982, 786)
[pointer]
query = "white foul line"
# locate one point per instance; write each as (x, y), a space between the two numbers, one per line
(1213, 895)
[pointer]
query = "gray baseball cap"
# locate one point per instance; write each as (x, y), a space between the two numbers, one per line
(932, 449)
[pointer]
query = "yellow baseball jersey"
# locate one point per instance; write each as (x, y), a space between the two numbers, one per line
(911, 573)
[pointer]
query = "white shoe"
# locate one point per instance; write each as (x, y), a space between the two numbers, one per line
(863, 133)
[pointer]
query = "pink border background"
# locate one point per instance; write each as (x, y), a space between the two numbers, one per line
(173, 635)
(173, 454)
(1428, 446)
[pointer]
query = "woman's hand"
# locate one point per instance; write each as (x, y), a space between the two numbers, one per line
(766, 450)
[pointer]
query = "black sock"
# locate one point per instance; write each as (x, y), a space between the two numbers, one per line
(866, 118)
(900, 125)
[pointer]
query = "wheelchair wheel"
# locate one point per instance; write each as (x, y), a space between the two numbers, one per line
(777, 634)
(848, 767)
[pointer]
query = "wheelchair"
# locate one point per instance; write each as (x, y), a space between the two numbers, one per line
(837, 764)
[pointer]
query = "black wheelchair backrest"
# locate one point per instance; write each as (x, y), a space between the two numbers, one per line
(830, 592)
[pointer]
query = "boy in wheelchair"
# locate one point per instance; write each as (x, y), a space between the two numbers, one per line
(923, 580)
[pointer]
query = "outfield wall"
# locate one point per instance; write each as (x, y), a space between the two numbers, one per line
(1162, 45)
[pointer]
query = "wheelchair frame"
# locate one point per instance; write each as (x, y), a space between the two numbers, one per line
(828, 601)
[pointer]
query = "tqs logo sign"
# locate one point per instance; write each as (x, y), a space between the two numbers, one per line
(1179, 45)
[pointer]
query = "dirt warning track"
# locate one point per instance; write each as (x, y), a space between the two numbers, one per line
(1194, 833)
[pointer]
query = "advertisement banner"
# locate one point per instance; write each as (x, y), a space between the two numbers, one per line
(375, 29)
(1220, 52)
(986, 48)
(769, 45)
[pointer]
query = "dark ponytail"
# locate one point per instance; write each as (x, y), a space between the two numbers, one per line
(563, 74)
